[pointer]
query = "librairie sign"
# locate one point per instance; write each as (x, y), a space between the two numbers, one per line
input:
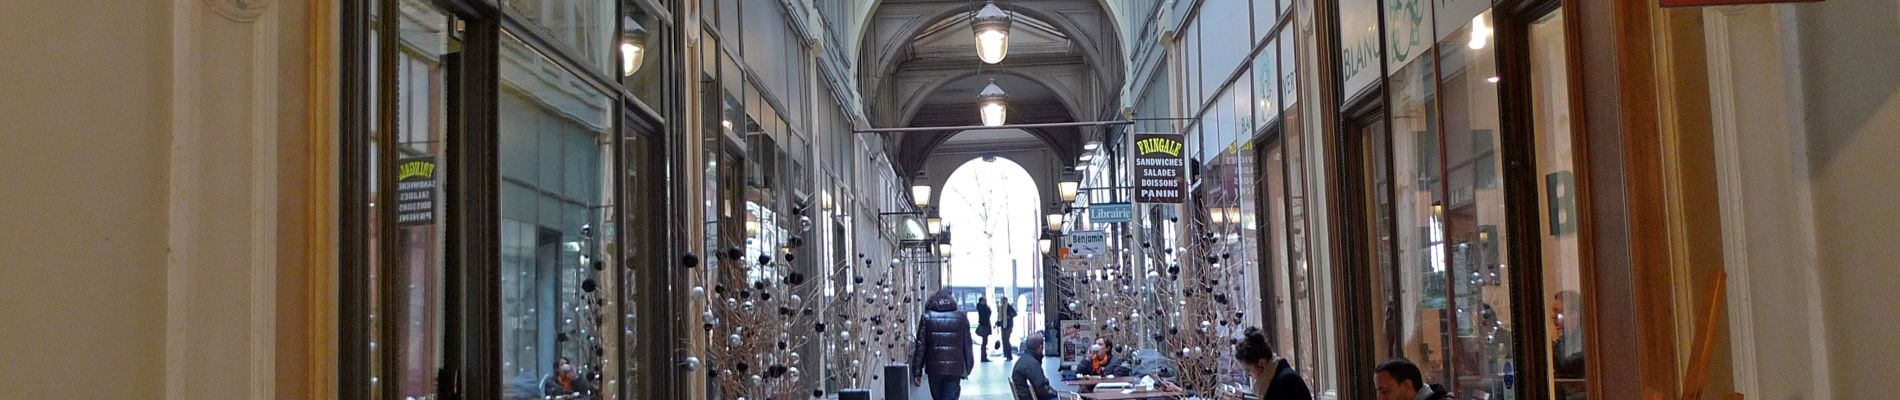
(1698, 3)
(1159, 168)
(1107, 213)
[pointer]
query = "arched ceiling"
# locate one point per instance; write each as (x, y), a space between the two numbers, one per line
(918, 68)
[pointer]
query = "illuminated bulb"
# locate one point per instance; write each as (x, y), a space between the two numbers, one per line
(1480, 34)
(992, 45)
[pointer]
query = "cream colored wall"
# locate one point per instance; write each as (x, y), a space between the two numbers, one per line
(155, 160)
(83, 150)
(1848, 52)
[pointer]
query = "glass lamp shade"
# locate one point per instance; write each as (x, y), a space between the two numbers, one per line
(1067, 189)
(991, 26)
(992, 45)
(1068, 185)
(992, 104)
(631, 55)
(943, 249)
(824, 200)
(920, 194)
(1055, 221)
(994, 113)
(934, 225)
(1045, 244)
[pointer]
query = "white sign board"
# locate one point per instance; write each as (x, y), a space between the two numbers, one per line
(1359, 52)
(1087, 243)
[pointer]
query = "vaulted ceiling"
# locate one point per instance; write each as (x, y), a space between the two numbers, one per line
(919, 68)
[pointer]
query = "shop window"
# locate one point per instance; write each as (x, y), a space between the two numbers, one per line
(1266, 85)
(584, 28)
(1557, 195)
(406, 205)
(642, 49)
(556, 202)
(1475, 224)
(1414, 310)
(1266, 14)
(1444, 298)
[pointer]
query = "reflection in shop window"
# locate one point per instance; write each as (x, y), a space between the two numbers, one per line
(555, 208)
(641, 51)
(583, 27)
(1474, 221)
(1556, 183)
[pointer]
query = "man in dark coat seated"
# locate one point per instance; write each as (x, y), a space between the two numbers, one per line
(1026, 379)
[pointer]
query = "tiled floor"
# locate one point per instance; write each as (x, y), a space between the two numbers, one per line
(990, 381)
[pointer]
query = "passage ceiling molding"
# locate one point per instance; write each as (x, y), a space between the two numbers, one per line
(919, 69)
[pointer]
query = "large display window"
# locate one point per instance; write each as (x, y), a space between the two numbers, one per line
(484, 254)
(1441, 217)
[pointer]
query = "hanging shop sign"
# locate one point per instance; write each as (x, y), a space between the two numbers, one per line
(1159, 176)
(1699, 3)
(1087, 243)
(1108, 213)
(415, 191)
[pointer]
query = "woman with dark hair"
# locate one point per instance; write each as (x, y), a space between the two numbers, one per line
(1273, 378)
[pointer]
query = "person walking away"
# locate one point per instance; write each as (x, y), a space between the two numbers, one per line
(1273, 378)
(1400, 379)
(1026, 379)
(983, 326)
(1006, 319)
(942, 349)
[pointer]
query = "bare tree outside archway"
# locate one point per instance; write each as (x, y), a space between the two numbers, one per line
(994, 208)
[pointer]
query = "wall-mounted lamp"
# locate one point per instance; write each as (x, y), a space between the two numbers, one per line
(1068, 185)
(920, 191)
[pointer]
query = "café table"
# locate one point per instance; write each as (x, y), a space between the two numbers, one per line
(1088, 384)
(1119, 395)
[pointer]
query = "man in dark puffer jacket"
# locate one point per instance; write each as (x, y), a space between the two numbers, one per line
(942, 349)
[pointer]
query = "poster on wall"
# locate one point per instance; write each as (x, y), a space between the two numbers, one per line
(1077, 335)
(1159, 176)
(415, 191)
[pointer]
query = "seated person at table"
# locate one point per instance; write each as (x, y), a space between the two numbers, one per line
(1101, 361)
(1273, 378)
(1026, 381)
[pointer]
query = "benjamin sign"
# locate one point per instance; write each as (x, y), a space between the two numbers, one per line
(1159, 168)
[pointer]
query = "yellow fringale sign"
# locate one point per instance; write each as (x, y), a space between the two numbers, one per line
(409, 169)
(1159, 145)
